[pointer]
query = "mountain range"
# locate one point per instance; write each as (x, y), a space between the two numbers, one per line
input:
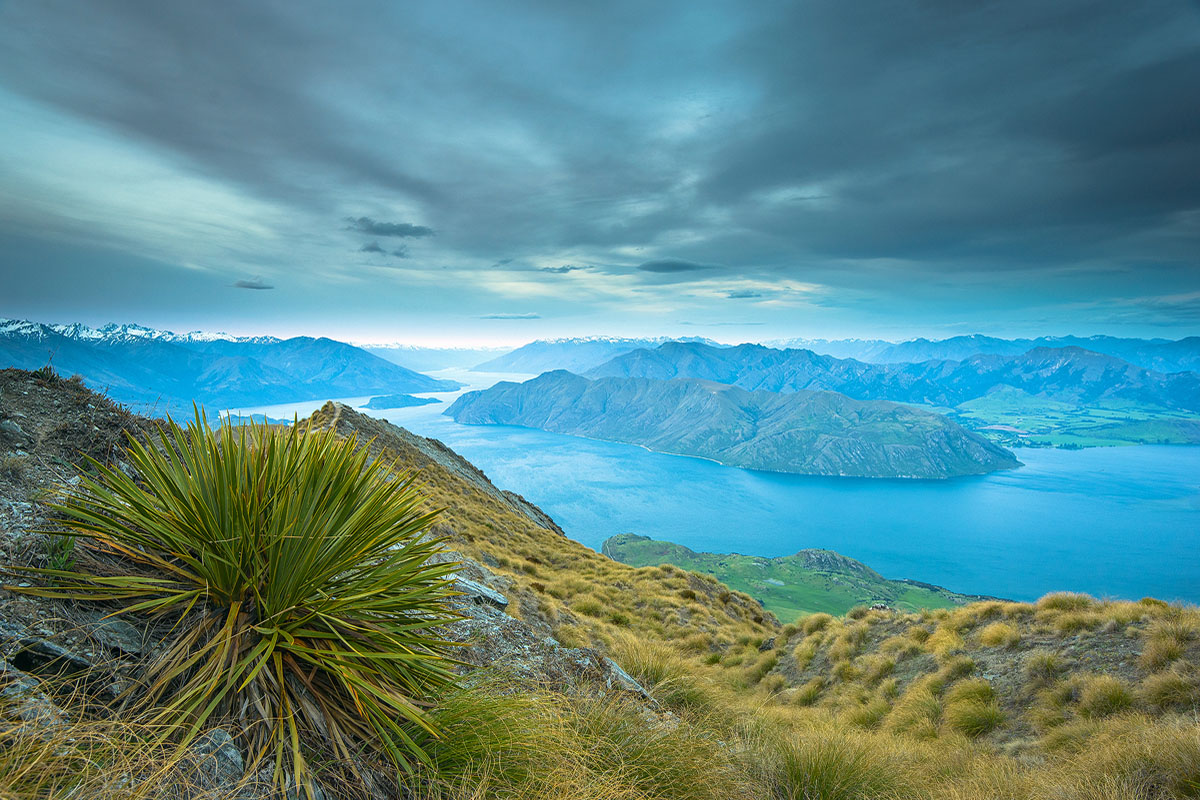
(806, 432)
(574, 355)
(1160, 355)
(1068, 374)
(168, 371)
(582, 354)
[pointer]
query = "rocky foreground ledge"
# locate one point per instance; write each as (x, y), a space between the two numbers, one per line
(47, 426)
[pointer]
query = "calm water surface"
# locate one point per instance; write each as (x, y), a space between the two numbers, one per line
(1121, 522)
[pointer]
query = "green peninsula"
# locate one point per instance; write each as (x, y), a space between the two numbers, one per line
(808, 582)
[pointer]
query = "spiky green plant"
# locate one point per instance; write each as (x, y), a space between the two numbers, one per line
(296, 574)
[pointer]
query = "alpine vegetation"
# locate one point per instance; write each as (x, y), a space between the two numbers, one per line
(294, 574)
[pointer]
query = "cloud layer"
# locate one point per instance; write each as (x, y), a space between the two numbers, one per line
(919, 167)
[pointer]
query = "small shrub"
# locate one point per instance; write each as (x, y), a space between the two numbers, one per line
(1104, 695)
(999, 634)
(619, 618)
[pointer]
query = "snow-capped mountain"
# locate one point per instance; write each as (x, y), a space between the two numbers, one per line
(113, 332)
(168, 371)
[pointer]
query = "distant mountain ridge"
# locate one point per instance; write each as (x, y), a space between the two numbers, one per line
(813, 433)
(167, 372)
(1066, 373)
(572, 354)
(1160, 355)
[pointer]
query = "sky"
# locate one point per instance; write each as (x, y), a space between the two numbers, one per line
(479, 172)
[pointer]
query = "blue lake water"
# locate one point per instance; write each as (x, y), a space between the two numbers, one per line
(1117, 522)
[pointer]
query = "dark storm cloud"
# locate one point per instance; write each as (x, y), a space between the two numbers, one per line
(372, 247)
(400, 252)
(403, 229)
(862, 145)
(511, 316)
(563, 270)
(671, 265)
(743, 294)
(253, 283)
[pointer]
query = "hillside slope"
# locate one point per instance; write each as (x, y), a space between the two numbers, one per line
(813, 433)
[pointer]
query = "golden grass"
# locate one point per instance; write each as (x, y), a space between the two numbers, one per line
(1000, 634)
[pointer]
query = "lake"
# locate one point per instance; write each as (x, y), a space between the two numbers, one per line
(1113, 522)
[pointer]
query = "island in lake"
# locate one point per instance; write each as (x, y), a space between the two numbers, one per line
(805, 432)
(398, 401)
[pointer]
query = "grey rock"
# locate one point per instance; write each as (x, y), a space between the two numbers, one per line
(480, 593)
(26, 703)
(217, 762)
(615, 677)
(28, 650)
(11, 429)
(117, 634)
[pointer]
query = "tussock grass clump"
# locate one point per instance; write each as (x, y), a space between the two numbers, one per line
(944, 642)
(297, 577)
(999, 634)
(918, 713)
(1043, 667)
(1104, 695)
(1159, 652)
(833, 767)
(810, 692)
(974, 718)
(815, 622)
(975, 689)
(669, 678)
(1176, 689)
(901, 647)
(1065, 601)
(956, 667)
(869, 714)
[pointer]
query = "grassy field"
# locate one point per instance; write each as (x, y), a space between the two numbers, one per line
(809, 582)
(1050, 423)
